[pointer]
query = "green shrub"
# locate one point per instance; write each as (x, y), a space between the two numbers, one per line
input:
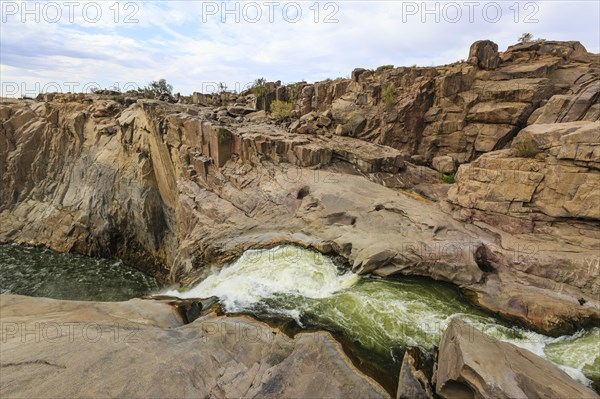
(259, 87)
(526, 38)
(448, 178)
(187, 159)
(383, 68)
(389, 98)
(158, 88)
(293, 92)
(524, 147)
(281, 110)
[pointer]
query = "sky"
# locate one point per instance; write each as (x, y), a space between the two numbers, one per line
(48, 46)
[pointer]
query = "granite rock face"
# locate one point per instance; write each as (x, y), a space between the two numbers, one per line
(413, 382)
(551, 172)
(546, 184)
(465, 109)
(472, 364)
(141, 349)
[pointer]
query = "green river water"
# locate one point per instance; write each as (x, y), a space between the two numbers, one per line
(381, 316)
(41, 272)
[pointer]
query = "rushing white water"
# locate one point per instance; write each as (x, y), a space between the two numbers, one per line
(261, 274)
(380, 314)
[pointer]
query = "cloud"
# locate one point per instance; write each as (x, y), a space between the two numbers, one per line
(191, 43)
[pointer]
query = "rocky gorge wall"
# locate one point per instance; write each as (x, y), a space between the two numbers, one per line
(176, 188)
(460, 110)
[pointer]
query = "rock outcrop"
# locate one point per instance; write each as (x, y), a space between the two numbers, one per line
(484, 54)
(461, 110)
(548, 186)
(413, 382)
(472, 364)
(551, 173)
(141, 349)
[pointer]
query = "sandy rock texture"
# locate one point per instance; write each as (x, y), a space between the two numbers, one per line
(141, 349)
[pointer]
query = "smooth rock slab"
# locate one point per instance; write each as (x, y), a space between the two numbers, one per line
(140, 349)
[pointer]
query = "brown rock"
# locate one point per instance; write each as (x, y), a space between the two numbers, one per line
(444, 164)
(413, 382)
(553, 185)
(135, 195)
(473, 364)
(140, 349)
(357, 72)
(484, 54)
(200, 99)
(500, 113)
(258, 116)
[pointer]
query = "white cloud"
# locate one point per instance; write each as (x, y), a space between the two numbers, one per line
(175, 40)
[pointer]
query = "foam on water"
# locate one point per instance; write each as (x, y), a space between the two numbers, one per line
(261, 274)
(380, 314)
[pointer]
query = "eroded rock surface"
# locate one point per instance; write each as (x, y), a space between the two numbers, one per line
(472, 364)
(413, 382)
(461, 110)
(141, 349)
(547, 186)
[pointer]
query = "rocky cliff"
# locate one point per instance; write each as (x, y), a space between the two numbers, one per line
(175, 188)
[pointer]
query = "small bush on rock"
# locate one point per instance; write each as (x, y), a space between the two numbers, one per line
(448, 178)
(388, 97)
(281, 110)
(526, 38)
(383, 68)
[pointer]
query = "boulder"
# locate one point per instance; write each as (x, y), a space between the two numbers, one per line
(200, 99)
(258, 116)
(306, 99)
(484, 54)
(472, 364)
(490, 137)
(512, 113)
(359, 122)
(444, 164)
(357, 72)
(238, 110)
